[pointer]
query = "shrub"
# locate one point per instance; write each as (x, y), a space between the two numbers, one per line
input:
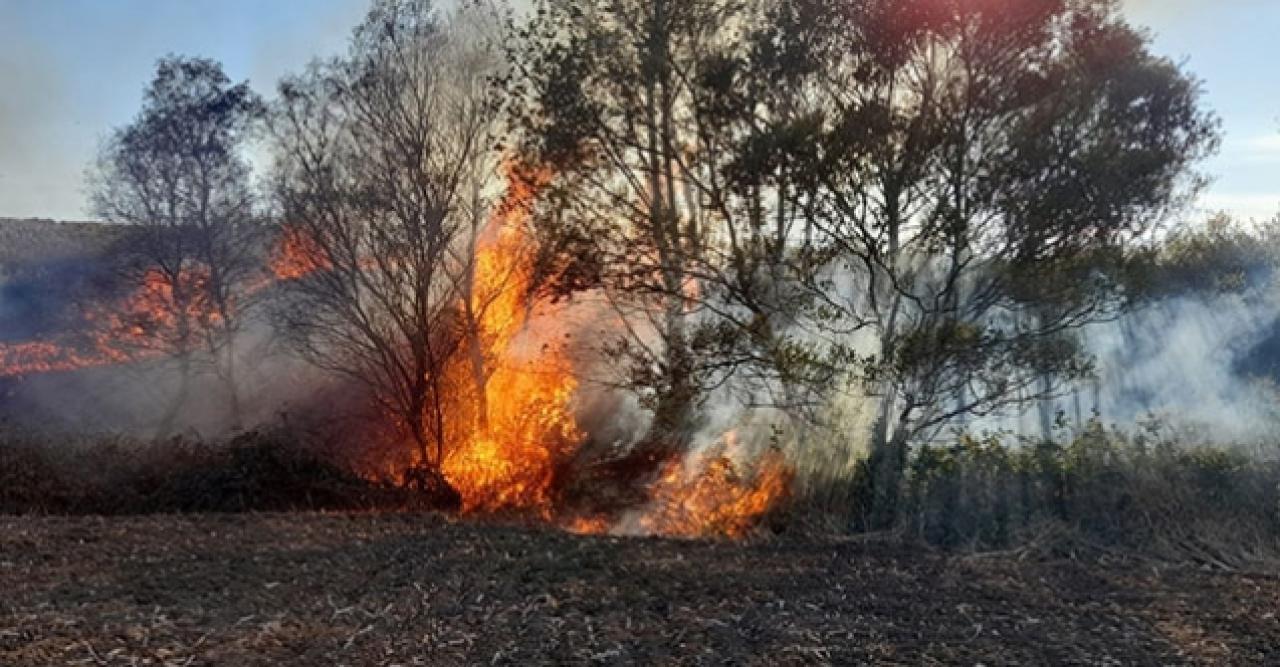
(258, 471)
(1215, 505)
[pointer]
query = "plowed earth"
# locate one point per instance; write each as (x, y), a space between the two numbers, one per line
(402, 589)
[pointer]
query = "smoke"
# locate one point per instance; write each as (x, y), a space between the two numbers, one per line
(135, 398)
(1199, 363)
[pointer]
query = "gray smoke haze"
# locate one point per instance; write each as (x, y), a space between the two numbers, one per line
(1183, 361)
(134, 398)
(1196, 364)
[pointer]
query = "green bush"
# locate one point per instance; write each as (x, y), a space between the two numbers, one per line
(1110, 489)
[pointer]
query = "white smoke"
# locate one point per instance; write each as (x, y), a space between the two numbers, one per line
(1178, 362)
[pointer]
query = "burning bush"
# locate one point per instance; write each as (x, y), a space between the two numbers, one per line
(714, 496)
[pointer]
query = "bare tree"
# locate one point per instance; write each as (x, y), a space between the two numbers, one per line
(178, 176)
(382, 161)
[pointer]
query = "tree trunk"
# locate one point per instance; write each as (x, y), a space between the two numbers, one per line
(233, 389)
(675, 404)
(1045, 407)
(165, 429)
(418, 430)
(887, 465)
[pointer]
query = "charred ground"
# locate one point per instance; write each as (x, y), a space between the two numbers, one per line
(420, 589)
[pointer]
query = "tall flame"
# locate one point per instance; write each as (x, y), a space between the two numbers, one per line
(508, 458)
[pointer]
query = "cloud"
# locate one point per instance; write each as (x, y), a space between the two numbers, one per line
(1246, 206)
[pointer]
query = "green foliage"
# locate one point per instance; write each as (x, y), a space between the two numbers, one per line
(1146, 492)
(1222, 256)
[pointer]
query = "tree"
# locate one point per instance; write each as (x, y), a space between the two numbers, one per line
(647, 114)
(961, 183)
(384, 159)
(981, 171)
(177, 175)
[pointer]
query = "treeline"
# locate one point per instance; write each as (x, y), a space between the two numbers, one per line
(915, 202)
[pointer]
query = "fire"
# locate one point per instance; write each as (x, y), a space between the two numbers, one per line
(158, 315)
(709, 495)
(296, 256)
(137, 327)
(514, 430)
(512, 435)
(507, 459)
(588, 525)
(154, 317)
(38, 357)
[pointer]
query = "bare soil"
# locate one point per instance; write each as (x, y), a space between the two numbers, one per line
(312, 589)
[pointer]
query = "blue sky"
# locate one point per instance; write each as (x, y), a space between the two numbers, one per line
(1234, 47)
(70, 70)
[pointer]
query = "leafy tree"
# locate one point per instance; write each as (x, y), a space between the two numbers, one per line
(177, 175)
(937, 192)
(982, 171)
(651, 116)
(1223, 255)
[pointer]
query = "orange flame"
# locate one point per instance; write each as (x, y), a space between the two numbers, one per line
(709, 495)
(296, 255)
(38, 357)
(139, 326)
(155, 315)
(509, 461)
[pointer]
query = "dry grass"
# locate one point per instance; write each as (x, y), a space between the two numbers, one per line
(312, 589)
(1159, 495)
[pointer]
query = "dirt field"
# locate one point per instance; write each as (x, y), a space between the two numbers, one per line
(408, 590)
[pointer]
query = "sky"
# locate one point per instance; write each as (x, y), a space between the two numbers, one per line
(71, 70)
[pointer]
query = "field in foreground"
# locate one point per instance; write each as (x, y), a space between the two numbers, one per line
(405, 589)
